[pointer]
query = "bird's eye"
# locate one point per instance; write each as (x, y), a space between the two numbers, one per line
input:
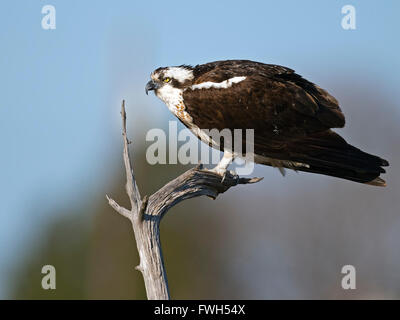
(167, 80)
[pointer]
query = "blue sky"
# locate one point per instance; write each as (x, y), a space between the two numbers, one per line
(61, 89)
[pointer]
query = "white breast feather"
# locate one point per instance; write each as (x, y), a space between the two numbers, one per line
(171, 96)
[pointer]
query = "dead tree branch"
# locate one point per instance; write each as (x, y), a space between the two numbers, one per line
(146, 213)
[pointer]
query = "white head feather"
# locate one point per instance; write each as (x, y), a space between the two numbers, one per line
(181, 74)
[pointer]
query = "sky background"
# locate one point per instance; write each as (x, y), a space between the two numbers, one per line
(61, 91)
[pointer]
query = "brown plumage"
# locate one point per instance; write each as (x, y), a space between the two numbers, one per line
(291, 118)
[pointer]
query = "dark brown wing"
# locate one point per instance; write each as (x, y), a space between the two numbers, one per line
(222, 70)
(291, 118)
(272, 100)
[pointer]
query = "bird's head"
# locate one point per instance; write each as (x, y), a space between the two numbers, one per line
(165, 81)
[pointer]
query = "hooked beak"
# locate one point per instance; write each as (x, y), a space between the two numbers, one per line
(151, 85)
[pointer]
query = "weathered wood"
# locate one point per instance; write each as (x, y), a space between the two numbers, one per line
(146, 214)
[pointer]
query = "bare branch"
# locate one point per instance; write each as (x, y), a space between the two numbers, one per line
(146, 213)
(143, 208)
(131, 187)
(193, 183)
(121, 210)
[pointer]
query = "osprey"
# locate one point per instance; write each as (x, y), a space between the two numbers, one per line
(291, 117)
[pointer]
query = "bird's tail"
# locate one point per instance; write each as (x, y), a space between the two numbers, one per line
(329, 154)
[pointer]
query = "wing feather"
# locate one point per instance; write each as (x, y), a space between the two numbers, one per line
(290, 115)
(272, 99)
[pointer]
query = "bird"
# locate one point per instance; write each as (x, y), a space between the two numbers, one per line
(292, 118)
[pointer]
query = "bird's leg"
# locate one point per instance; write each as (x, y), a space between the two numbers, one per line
(224, 163)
